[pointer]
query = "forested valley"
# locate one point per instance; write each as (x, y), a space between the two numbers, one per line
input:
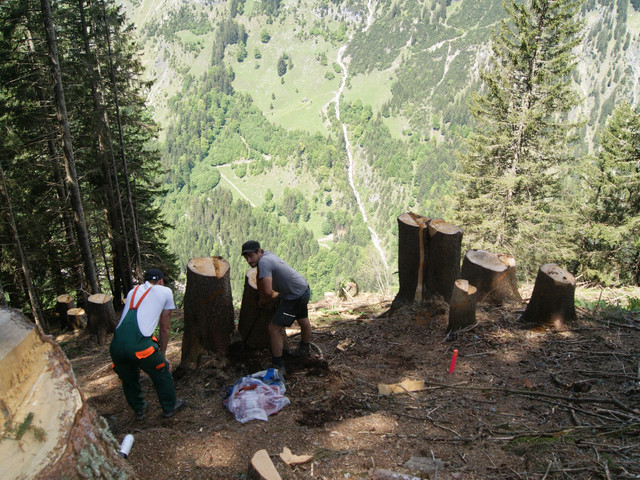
(145, 133)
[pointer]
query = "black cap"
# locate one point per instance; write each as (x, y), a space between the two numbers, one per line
(250, 246)
(153, 274)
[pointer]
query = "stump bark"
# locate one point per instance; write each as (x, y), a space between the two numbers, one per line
(553, 298)
(254, 321)
(443, 259)
(412, 256)
(76, 318)
(462, 310)
(494, 275)
(101, 316)
(208, 309)
(64, 303)
(48, 430)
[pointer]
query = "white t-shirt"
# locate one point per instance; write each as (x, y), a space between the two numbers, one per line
(158, 299)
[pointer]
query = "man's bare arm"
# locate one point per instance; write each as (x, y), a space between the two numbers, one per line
(165, 330)
(265, 290)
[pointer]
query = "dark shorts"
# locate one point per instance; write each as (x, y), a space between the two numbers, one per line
(291, 310)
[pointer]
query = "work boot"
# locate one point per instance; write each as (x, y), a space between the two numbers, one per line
(304, 349)
(278, 363)
(180, 404)
(142, 413)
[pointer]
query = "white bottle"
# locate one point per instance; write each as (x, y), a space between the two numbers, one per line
(125, 448)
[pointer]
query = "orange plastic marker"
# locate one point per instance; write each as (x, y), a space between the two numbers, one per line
(453, 361)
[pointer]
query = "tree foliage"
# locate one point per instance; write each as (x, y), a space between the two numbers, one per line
(512, 172)
(611, 237)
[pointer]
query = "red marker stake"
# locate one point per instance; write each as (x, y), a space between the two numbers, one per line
(453, 361)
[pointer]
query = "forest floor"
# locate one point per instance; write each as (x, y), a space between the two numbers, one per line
(521, 403)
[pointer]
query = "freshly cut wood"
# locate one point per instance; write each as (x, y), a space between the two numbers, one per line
(64, 303)
(412, 257)
(253, 323)
(76, 318)
(493, 274)
(462, 309)
(208, 309)
(262, 468)
(443, 264)
(553, 298)
(101, 316)
(48, 430)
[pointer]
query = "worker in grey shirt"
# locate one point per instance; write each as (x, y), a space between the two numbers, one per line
(275, 274)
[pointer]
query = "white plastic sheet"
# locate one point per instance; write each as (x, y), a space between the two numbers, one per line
(257, 396)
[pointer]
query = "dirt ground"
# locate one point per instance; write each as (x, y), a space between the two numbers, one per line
(521, 403)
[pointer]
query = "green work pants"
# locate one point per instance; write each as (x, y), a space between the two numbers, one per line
(131, 352)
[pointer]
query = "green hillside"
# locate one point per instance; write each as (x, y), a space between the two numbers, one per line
(245, 92)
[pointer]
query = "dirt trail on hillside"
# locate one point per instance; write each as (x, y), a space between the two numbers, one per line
(520, 403)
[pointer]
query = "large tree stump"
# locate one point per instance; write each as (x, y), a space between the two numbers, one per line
(443, 264)
(64, 303)
(494, 275)
(253, 323)
(553, 298)
(208, 309)
(48, 430)
(462, 310)
(76, 318)
(412, 257)
(101, 316)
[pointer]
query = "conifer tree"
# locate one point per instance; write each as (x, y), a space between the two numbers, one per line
(512, 171)
(612, 236)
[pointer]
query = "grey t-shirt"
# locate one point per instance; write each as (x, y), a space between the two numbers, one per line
(285, 280)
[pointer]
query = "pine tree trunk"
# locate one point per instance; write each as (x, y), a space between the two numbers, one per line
(443, 264)
(59, 435)
(553, 298)
(253, 323)
(462, 310)
(119, 239)
(70, 164)
(101, 316)
(34, 300)
(129, 196)
(412, 257)
(208, 309)
(64, 303)
(494, 275)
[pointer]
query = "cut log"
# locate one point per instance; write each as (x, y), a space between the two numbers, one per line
(64, 303)
(262, 468)
(48, 430)
(462, 310)
(253, 323)
(553, 298)
(101, 316)
(412, 257)
(494, 275)
(208, 309)
(443, 264)
(76, 318)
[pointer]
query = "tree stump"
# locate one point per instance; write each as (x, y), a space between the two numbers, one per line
(76, 318)
(208, 309)
(443, 264)
(64, 303)
(494, 275)
(412, 257)
(462, 310)
(253, 323)
(553, 298)
(101, 316)
(48, 430)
